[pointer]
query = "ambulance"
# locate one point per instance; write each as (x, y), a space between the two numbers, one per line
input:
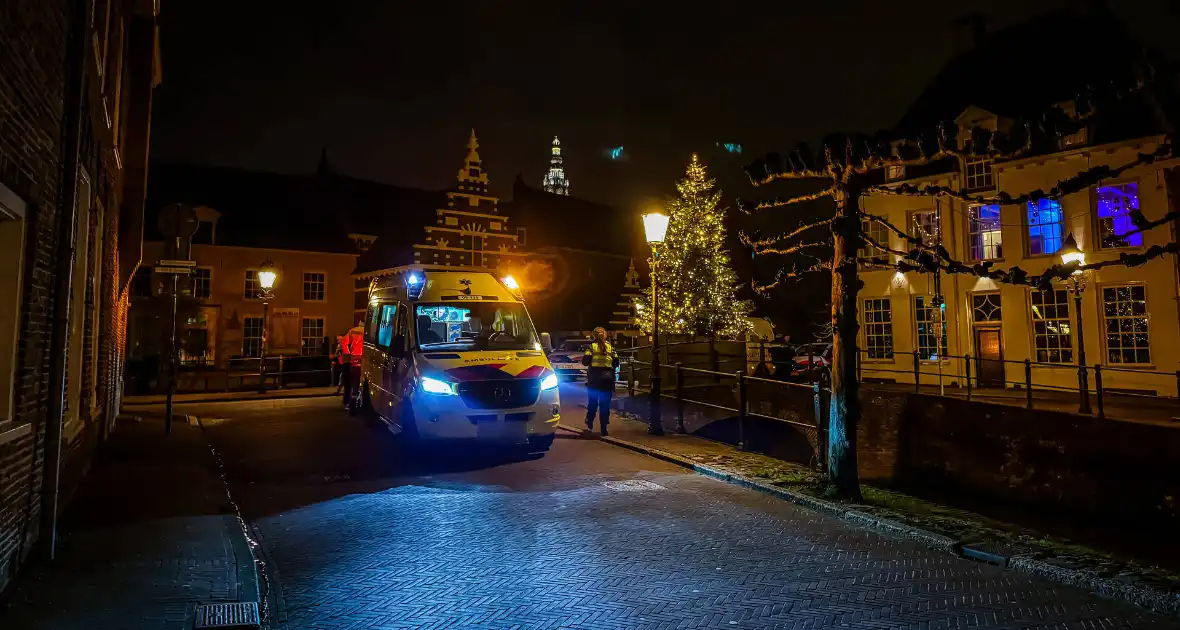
(451, 354)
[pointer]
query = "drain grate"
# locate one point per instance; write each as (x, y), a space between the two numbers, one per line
(633, 485)
(235, 615)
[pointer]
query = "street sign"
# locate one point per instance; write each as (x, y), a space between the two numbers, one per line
(177, 263)
(180, 271)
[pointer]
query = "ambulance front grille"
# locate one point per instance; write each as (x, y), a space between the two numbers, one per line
(500, 393)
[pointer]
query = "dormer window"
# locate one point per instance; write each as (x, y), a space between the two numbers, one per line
(895, 172)
(978, 174)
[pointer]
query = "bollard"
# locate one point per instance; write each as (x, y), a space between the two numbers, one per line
(680, 398)
(917, 373)
(819, 442)
(1098, 389)
(1028, 384)
(967, 372)
(741, 383)
(281, 379)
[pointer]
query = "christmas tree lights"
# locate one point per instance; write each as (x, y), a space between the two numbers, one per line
(697, 285)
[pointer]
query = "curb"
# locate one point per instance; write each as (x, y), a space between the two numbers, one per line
(1145, 597)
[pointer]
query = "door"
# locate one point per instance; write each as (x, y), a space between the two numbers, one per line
(376, 356)
(989, 364)
(397, 364)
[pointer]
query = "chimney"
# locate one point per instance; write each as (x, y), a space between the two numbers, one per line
(969, 31)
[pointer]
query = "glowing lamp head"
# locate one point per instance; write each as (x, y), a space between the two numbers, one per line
(1071, 253)
(267, 275)
(413, 279)
(655, 226)
(511, 283)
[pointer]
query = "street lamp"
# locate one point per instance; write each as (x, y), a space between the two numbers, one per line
(655, 226)
(1071, 254)
(267, 274)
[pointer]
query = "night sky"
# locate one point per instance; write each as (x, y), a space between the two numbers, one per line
(392, 93)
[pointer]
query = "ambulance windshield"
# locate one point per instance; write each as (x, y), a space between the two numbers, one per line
(474, 326)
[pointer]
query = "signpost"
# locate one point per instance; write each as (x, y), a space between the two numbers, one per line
(177, 224)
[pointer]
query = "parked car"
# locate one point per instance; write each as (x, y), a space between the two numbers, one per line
(813, 362)
(567, 359)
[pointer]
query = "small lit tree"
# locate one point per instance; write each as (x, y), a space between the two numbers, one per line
(698, 287)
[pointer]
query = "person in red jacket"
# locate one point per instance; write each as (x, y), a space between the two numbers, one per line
(352, 346)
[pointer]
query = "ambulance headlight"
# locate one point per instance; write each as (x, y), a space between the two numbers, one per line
(549, 382)
(435, 386)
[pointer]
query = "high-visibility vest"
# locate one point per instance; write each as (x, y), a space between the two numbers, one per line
(601, 359)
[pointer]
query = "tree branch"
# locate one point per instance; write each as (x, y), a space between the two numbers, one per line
(784, 275)
(762, 242)
(1083, 180)
(765, 251)
(1141, 225)
(780, 202)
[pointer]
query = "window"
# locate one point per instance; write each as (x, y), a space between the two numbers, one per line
(1116, 205)
(474, 326)
(313, 286)
(1052, 332)
(312, 335)
(926, 226)
(978, 174)
(385, 328)
(522, 236)
(252, 337)
(12, 246)
(1124, 310)
(878, 328)
(987, 242)
(253, 289)
(879, 233)
(895, 172)
(927, 324)
(1045, 226)
(202, 283)
(78, 310)
(985, 307)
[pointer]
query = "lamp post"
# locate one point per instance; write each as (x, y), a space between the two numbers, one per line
(655, 225)
(1072, 254)
(267, 275)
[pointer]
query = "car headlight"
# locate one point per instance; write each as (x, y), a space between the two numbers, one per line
(435, 386)
(549, 382)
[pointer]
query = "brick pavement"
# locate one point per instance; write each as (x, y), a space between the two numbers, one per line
(365, 538)
(149, 537)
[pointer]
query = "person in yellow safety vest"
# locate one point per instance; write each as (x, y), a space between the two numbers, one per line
(601, 360)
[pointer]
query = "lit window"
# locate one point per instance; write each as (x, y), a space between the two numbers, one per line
(253, 289)
(385, 327)
(1124, 311)
(202, 279)
(895, 172)
(1045, 226)
(879, 233)
(1116, 204)
(978, 174)
(1052, 332)
(312, 335)
(251, 337)
(926, 324)
(926, 226)
(987, 242)
(313, 287)
(985, 307)
(878, 320)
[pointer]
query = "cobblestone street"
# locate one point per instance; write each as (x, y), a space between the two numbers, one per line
(591, 536)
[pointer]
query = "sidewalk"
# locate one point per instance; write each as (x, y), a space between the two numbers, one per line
(937, 525)
(208, 397)
(150, 535)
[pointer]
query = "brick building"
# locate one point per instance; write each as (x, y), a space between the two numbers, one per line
(76, 82)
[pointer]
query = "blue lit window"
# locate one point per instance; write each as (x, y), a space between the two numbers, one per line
(1116, 204)
(1046, 225)
(385, 330)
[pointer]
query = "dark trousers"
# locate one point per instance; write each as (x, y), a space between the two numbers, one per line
(600, 395)
(349, 377)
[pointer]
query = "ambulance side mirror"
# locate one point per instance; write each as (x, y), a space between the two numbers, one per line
(547, 342)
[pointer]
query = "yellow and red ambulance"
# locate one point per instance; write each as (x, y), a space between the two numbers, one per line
(451, 354)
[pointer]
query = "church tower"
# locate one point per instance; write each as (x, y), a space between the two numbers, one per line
(555, 181)
(470, 231)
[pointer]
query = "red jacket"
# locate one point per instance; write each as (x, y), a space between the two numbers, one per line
(353, 345)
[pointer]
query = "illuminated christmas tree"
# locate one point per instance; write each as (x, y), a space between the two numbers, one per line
(697, 286)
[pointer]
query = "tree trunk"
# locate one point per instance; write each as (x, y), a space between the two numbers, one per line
(844, 409)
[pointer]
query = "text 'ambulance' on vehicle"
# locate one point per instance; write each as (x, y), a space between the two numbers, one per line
(451, 354)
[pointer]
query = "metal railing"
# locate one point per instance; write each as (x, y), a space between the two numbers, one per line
(966, 371)
(242, 372)
(738, 383)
